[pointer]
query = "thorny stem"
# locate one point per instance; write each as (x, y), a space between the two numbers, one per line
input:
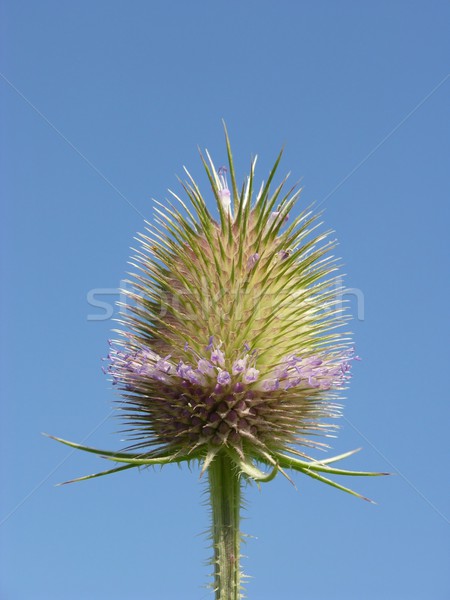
(225, 493)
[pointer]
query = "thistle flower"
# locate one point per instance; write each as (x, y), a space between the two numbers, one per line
(231, 351)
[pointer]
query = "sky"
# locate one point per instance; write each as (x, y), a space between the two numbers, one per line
(102, 103)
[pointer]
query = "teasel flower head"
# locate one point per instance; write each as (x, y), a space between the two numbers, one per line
(232, 350)
(230, 341)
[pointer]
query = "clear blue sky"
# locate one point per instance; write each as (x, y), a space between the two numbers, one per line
(102, 103)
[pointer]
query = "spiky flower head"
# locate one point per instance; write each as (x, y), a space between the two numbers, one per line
(232, 344)
(231, 339)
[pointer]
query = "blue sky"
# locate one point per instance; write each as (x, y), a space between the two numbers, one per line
(101, 105)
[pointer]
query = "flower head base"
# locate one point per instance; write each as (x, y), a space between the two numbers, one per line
(232, 340)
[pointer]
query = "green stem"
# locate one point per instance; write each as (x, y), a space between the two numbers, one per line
(225, 493)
